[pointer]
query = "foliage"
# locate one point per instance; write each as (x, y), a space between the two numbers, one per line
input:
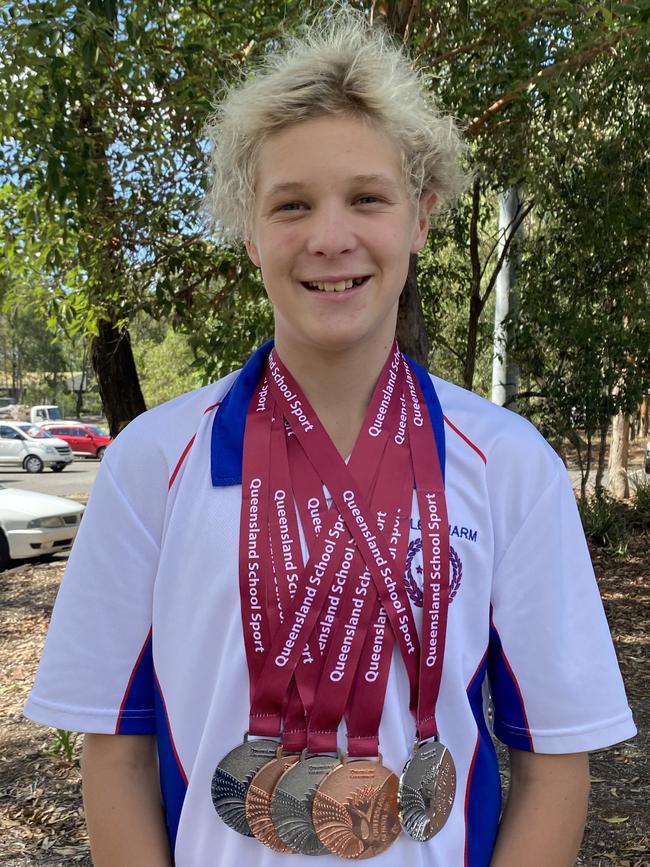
(101, 108)
(609, 523)
(165, 366)
(605, 521)
(64, 744)
(641, 505)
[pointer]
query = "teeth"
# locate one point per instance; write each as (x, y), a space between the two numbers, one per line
(341, 286)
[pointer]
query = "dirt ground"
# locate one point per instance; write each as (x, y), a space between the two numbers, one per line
(40, 804)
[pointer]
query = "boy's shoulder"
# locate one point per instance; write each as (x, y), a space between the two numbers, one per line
(509, 445)
(159, 436)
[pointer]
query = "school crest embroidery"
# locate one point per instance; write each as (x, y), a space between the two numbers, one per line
(413, 574)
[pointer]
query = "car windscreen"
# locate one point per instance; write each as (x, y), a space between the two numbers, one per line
(98, 431)
(31, 430)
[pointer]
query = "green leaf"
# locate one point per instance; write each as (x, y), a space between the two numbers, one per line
(90, 52)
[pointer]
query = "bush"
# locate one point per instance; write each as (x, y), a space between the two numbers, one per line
(607, 522)
(640, 518)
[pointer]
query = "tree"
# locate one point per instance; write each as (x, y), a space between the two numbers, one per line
(101, 106)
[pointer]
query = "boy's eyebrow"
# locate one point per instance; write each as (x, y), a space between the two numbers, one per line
(297, 186)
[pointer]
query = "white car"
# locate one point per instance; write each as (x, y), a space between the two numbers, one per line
(32, 524)
(26, 445)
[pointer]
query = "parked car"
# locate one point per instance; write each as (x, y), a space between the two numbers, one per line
(28, 446)
(45, 412)
(32, 524)
(85, 440)
(7, 407)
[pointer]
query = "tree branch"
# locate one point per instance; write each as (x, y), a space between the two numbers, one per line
(580, 59)
(441, 340)
(473, 237)
(516, 223)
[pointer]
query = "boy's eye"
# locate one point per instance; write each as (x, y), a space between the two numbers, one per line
(290, 206)
(369, 199)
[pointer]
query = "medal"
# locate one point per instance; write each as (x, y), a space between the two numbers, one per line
(427, 789)
(258, 801)
(232, 778)
(355, 811)
(292, 801)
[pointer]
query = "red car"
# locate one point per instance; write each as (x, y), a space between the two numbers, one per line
(85, 440)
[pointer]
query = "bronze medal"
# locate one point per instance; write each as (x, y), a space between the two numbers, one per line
(427, 789)
(232, 778)
(355, 809)
(258, 801)
(292, 801)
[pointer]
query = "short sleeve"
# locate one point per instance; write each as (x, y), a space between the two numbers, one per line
(554, 677)
(96, 671)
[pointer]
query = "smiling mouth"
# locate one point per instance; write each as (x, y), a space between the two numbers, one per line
(339, 286)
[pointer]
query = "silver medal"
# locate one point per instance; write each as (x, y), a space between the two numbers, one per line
(292, 803)
(232, 777)
(427, 789)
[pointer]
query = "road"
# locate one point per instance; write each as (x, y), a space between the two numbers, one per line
(74, 482)
(635, 474)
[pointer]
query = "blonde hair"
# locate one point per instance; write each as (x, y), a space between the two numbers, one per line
(340, 65)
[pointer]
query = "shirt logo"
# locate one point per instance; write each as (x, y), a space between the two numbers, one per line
(454, 530)
(413, 584)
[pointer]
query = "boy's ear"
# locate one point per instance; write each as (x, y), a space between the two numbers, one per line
(425, 207)
(253, 255)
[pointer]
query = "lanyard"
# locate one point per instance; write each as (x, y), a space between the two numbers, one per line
(314, 631)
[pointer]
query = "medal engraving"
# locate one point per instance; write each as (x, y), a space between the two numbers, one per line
(258, 802)
(355, 810)
(291, 805)
(427, 789)
(232, 778)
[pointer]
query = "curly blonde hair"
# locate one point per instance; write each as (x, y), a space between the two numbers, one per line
(339, 66)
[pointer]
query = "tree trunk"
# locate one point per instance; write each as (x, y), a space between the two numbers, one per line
(576, 442)
(117, 377)
(398, 16)
(617, 482)
(475, 310)
(643, 413)
(505, 372)
(475, 303)
(602, 448)
(82, 383)
(411, 333)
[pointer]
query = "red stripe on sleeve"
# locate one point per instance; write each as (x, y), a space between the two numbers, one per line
(466, 439)
(128, 686)
(180, 461)
(188, 447)
(470, 774)
(169, 729)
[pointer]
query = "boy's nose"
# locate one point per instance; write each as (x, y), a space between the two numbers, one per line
(331, 233)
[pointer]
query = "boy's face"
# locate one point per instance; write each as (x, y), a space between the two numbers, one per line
(332, 207)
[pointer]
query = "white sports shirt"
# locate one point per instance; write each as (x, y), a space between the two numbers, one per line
(146, 633)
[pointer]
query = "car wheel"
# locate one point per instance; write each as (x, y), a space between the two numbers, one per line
(100, 452)
(4, 552)
(58, 468)
(33, 464)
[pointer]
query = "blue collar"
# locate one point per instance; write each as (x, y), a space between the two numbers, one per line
(227, 445)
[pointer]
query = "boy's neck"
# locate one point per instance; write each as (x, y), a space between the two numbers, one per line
(338, 385)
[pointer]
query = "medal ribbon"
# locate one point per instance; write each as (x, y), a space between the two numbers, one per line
(434, 524)
(392, 496)
(273, 679)
(350, 502)
(279, 615)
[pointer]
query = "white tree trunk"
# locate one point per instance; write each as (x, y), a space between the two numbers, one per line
(505, 373)
(617, 481)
